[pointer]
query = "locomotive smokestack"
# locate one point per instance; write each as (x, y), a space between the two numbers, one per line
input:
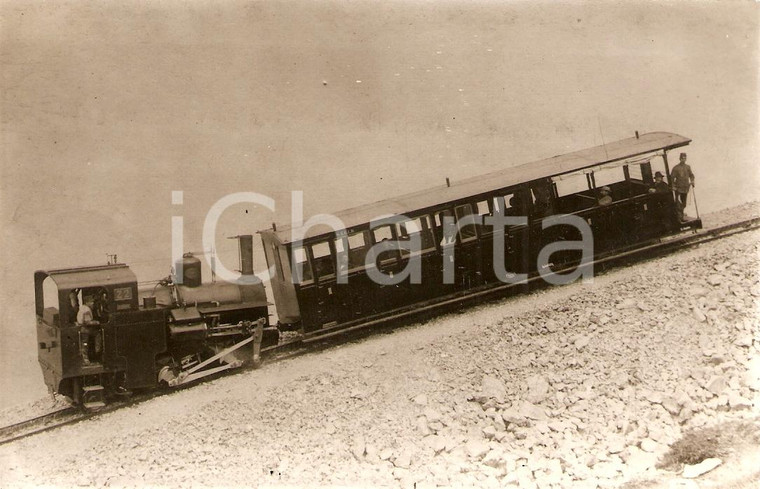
(246, 254)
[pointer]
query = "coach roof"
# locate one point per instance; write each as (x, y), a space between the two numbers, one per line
(556, 165)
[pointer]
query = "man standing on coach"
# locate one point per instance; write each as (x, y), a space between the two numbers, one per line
(682, 178)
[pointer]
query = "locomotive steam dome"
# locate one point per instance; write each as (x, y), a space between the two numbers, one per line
(191, 270)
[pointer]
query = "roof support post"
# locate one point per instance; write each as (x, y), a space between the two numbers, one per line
(667, 167)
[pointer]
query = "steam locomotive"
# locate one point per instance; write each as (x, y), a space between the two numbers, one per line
(100, 336)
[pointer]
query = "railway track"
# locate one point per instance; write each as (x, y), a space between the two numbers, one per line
(73, 414)
(298, 347)
(38, 424)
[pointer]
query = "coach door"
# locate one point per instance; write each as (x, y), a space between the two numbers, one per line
(516, 237)
(468, 259)
(389, 263)
(328, 307)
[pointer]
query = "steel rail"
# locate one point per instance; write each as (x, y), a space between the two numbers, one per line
(297, 347)
(28, 427)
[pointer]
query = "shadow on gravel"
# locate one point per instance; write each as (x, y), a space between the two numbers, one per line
(735, 442)
(719, 441)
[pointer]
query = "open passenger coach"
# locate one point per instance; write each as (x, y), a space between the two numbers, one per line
(315, 301)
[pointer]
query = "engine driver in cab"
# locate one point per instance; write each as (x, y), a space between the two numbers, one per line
(89, 330)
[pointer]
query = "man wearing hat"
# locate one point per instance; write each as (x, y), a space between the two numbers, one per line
(662, 199)
(682, 178)
(659, 187)
(605, 196)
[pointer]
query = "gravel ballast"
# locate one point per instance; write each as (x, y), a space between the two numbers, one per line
(579, 386)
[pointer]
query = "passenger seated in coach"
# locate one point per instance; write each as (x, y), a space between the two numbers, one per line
(659, 186)
(605, 196)
(543, 205)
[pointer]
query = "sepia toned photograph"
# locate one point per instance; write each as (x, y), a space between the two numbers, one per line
(404, 244)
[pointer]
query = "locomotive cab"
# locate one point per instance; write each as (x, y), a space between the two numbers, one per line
(84, 317)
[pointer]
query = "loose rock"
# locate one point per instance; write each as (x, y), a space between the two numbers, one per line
(705, 466)
(538, 389)
(477, 448)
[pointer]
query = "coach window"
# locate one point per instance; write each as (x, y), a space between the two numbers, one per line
(382, 233)
(572, 183)
(484, 210)
(497, 204)
(648, 170)
(417, 226)
(644, 171)
(508, 204)
(339, 250)
(442, 239)
(299, 256)
(573, 192)
(636, 172)
(357, 249)
(635, 180)
(385, 233)
(610, 177)
(466, 232)
(324, 264)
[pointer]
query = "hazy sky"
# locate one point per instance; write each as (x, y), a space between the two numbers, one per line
(109, 106)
